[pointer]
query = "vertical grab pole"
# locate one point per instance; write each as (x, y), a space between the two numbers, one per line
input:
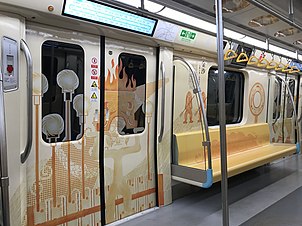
(223, 151)
(291, 10)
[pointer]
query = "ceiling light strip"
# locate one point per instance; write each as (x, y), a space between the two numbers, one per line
(177, 22)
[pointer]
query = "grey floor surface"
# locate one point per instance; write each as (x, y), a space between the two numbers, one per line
(268, 195)
(287, 212)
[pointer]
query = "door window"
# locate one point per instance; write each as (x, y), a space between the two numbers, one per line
(132, 93)
(62, 91)
(290, 107)
(277, 99)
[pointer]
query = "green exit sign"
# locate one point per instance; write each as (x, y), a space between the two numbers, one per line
(188, 34)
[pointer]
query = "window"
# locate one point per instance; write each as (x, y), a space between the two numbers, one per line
(290, 107)
(131, 94)
(234, 82)
(62, 91)
(277, 99)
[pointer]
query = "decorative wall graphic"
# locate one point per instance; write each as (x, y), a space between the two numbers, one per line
(201, 68)
(188, 108)
(119, 184)
(107, 113)
(68, 81)
(125, 86)
(111, 87)
(288, 128)
(256, 100)
(40, 87)
(186, 118)
(83, 208)
(199, 111)
(44, 84)
(52, 127)
(78, 106)
(149, 111)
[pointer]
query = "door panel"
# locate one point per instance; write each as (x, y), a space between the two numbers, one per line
(289, 114)
(282, 116)
(63, 172)
(12, 28)
(164, 125)
(130, 185)
(276, 109)
(299, 110)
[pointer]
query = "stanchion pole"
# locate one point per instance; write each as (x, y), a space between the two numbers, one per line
(222, 126)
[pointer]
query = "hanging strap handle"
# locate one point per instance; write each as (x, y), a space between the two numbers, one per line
(242, 58)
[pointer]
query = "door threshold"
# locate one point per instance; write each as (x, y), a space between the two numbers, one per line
(126, 219)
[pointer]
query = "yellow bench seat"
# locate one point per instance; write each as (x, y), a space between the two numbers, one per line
(248, 147)
(247, 160)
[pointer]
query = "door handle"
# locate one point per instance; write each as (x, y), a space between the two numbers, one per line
(163, 98)
(29, 62)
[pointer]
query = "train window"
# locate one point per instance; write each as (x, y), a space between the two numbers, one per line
(132, 94)
(62, 91)
(277, 99)
(234, 82)
(290, 108)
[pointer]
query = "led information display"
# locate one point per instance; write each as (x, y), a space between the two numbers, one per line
(100, 13)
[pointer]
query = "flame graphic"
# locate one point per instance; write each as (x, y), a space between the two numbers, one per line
(120, 80)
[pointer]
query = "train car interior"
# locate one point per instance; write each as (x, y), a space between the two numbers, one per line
(150, 112)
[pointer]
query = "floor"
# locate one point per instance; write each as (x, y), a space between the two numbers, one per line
(268, 195)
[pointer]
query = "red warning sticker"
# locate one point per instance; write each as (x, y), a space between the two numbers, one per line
(94, 60)
(94, 71)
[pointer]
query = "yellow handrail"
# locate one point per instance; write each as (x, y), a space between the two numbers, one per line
(272, 64)
(263, 63)
(230, 54)
(280, 67)
(242, 57)
(287, 68)
(294, 69)
(253, 60)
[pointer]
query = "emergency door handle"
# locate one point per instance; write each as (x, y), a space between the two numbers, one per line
(29, 62)
(163, 92)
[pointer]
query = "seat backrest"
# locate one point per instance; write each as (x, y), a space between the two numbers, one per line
(239, 138)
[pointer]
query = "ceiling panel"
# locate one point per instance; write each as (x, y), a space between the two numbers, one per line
(283, 8)
(242, 17)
